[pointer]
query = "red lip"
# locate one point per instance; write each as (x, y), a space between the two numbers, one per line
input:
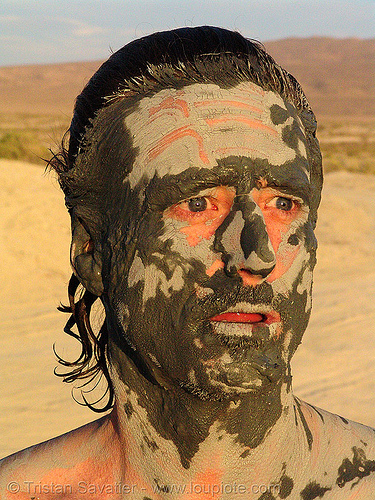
(239, 317)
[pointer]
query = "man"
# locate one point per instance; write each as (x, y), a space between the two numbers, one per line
(193, 179)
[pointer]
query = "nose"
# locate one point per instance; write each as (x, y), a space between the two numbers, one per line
(244, 242)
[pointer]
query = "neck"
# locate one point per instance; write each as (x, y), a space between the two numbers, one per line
(173, 435)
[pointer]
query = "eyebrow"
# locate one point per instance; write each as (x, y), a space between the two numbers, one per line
(172, 189)
(295, 182)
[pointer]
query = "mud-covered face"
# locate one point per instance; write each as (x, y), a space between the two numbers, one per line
(217, 292)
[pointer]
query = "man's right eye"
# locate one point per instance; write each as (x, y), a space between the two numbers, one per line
(195, 210)
(206, 208)
(202, 214)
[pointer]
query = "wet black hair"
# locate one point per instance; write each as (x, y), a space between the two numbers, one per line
(162, 60)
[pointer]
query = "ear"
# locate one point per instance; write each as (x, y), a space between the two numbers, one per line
(85, 259)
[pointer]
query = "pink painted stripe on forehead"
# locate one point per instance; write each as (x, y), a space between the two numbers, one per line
(171, 103)
(156, 117)
(234, 104)
(254, 124)
(175, 135)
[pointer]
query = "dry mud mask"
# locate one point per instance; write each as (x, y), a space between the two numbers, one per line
(212, 248)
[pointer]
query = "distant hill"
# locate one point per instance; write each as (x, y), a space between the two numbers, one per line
(337, 75)
(44, 88)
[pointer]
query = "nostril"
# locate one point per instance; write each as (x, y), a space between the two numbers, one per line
(253, 266)
(249, 278)
(230, 269)
(257, 267)
(263, 273)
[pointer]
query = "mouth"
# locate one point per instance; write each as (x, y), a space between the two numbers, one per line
(248, 314)
(240, 317)
(246, 322)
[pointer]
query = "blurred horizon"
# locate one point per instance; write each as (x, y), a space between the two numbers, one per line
(50, 31)
(110, 52)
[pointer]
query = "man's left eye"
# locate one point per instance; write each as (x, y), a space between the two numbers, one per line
(285, 204)
(197, 204)
(281, 203)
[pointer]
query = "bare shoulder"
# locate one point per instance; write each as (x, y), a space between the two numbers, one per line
(335, 428)
(61, 461)
(360, 489)
(342, 454)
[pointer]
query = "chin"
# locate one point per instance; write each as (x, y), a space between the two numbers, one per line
(228, 379)
(213, 393)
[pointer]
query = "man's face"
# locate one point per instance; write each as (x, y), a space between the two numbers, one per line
(218, 291)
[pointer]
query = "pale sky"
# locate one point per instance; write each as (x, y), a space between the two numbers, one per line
(49, 31)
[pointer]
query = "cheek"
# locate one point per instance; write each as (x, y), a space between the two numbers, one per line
(278, 231)
(200, 226)
(275, 233)
(284, 260)
(192, 244)
(196, 253)
(286, 253)
(162, 277)
(198, 232)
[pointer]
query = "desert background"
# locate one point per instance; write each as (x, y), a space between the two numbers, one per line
(334, 367)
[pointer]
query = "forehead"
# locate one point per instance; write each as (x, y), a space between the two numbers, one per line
(202, 123)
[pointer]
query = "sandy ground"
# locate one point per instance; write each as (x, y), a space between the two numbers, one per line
(334, 368)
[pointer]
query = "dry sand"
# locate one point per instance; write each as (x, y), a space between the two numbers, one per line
(334, 368)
